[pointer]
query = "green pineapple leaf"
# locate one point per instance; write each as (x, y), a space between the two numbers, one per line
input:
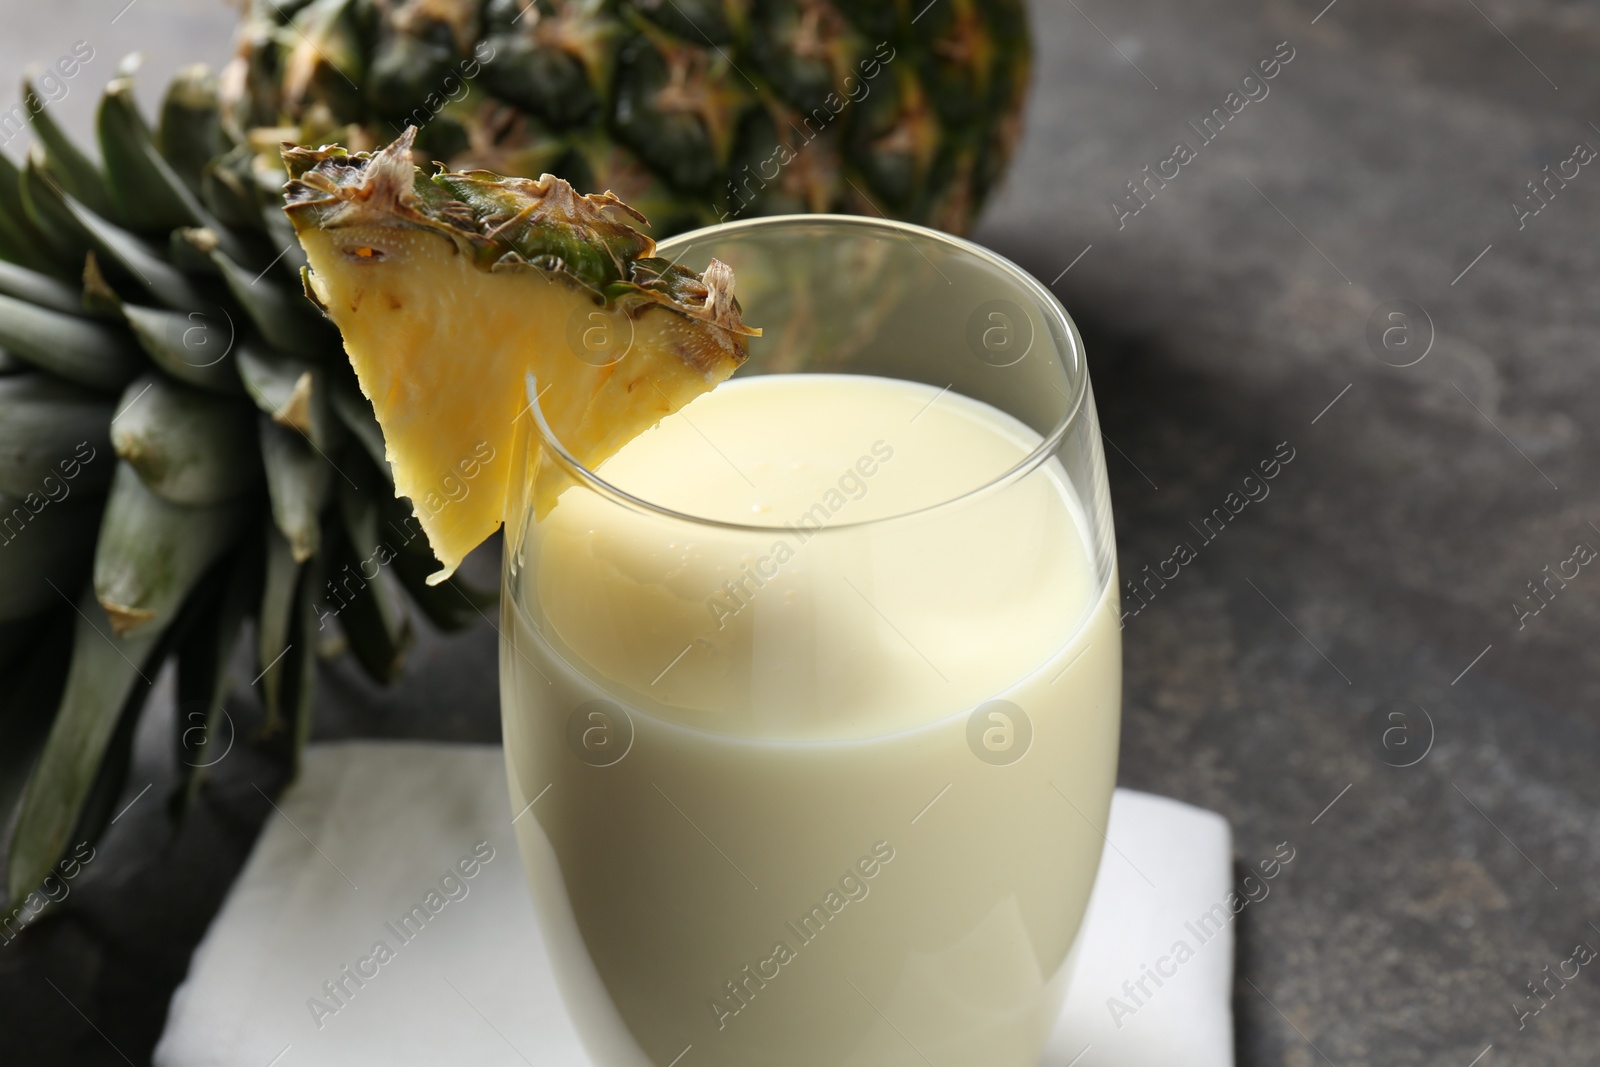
(40, 289)
(67, 345)
(104, 670)
(204, 733)
(79, 175)
(149, 192)
(152, 552)
(53, 437)
(196, 347)
(273, 624)
(298, 479)
(188, 447)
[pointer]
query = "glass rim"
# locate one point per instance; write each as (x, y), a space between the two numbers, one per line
(1043, 298)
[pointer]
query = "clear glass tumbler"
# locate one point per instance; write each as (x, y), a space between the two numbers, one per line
(811, 695)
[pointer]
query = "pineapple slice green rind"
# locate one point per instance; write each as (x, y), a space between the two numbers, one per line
(449, 289)
(595, 245)
(500, 222)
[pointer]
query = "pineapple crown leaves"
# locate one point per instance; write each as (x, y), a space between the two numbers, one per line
(505, 223)
(202, 487)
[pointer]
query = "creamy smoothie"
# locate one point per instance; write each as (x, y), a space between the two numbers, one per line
(824, 784)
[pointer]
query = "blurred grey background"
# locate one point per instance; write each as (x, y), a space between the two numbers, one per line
(1379, 576)
(169, 34)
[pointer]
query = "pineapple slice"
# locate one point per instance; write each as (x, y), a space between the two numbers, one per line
(450, 290)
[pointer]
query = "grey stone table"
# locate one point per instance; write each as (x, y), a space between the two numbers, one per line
(1360, 617)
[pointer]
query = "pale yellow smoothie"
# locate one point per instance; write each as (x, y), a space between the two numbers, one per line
(830, 791)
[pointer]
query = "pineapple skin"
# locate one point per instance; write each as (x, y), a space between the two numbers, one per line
(694, 112)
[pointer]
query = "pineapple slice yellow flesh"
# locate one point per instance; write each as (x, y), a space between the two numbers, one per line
(443, 318)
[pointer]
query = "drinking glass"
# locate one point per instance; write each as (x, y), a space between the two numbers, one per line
(827, 788)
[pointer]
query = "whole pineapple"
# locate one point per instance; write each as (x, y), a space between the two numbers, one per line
(185, 457)
(693, 111)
